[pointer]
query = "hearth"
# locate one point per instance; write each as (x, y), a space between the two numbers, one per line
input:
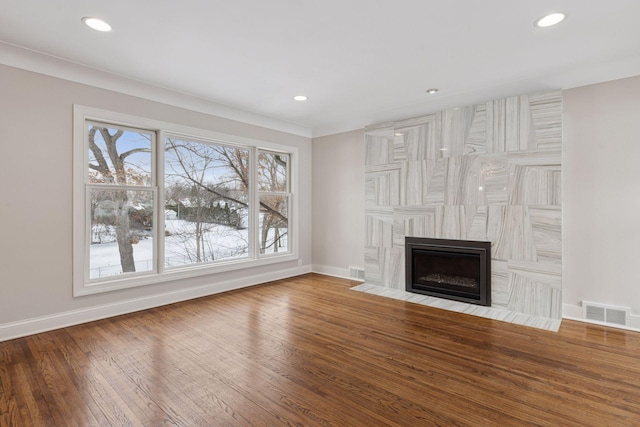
(454, 269)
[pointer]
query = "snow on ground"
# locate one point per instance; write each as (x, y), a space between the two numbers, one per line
(219, 242)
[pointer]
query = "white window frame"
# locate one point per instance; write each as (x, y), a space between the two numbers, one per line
(81, 283)
(288, 194)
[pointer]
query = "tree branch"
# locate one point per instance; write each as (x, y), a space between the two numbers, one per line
(102, 166)
(133, 151)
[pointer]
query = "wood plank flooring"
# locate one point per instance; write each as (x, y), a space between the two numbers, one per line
(307, 351)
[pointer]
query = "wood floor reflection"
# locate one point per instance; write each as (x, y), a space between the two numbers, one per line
(308, 351)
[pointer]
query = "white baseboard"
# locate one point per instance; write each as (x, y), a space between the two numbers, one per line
(330, 271)
(342, 273)
(574, 312)
(75, 317)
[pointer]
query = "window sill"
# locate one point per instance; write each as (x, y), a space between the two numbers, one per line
(178, 274)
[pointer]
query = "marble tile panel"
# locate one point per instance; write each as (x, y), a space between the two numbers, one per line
(546, 223)
(546, 113)
(378, 226)
(476, 218)
(456, 126)
(494, 179)
(535, 185)
(399, 148)
(463, 185)
(499, 284)
(369, 191)
(418, 139)
(519, 130)
(454, 222)
(510, 233)
(496, 125)
(416, 221)
(374, 170)
(372, 267)
(413, 143)
(512, 124)
(494, 313)
(477, 228)
(414, 183)
(393, 267)
(382, 187)
(531, 297)
(476, 142)
(549, 274)
(435, 185)
(526, 127)
(535, 158)
(378, 150)
(490, 144)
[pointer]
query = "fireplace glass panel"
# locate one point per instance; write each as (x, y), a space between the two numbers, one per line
(445, 271)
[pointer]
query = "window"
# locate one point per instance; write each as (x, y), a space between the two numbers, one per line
(154, 201)
(207, 199)
(120, 200)
(273, 190)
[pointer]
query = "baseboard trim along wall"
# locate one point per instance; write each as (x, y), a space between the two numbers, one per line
(75, 317)
(575, 312)
(342, 273)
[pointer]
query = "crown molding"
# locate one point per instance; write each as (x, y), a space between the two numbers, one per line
(38, 62)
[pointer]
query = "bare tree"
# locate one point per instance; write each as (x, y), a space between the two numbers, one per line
(238, 161)
(273, 178)
(223, 173)
(117, 176)
(195, 173)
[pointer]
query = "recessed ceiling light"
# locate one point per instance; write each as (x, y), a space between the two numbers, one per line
(398, 134)
(432, 91)
(549, 20)
(300, 98)
(96, 24)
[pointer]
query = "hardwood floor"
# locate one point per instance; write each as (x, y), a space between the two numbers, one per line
(308, 351)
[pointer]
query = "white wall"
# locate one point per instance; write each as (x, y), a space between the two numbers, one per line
(338, 203)
(601, 194)
(36, 198)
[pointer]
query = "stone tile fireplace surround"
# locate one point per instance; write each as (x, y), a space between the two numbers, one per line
(487, 172)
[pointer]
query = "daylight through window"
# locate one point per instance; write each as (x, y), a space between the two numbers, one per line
(120, 200)
(206, 202)
(157, 203)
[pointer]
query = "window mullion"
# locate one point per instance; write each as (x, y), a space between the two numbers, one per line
(87, 237)
(159, 224)
(254, 209)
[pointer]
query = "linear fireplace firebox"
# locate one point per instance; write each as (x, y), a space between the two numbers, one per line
(454, 269)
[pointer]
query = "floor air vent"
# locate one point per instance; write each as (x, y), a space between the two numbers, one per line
(356, 273)
(606, 313)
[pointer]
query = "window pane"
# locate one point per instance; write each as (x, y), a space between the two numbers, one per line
(274, 224)
(121, 232)
(206, 202)
(118, 156)
(272, 172)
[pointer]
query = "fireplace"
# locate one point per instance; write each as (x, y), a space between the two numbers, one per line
(454, 269)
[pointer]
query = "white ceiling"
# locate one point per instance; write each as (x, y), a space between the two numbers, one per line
(359, 61)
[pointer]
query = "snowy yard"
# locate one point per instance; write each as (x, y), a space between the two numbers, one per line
(217, 242)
